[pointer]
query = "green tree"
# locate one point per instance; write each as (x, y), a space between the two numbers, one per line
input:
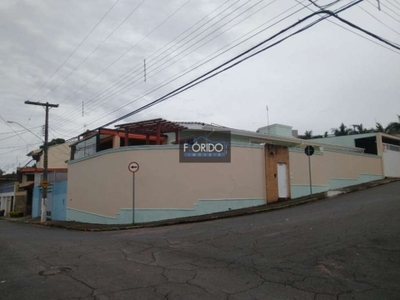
(1, 172)
(342, 130)
(358, 129)
(394, 127)
(53, 142)
(308, 134)
(379, 127)
(326, 134)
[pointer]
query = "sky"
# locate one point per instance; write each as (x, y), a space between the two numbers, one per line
(89, 56)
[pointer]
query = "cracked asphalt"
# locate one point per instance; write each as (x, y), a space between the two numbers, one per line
(343, 248)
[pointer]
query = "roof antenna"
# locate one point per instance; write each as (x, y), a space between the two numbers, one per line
(267, 118)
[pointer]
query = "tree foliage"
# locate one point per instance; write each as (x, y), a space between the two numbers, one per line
(53, 142)
(342, 130)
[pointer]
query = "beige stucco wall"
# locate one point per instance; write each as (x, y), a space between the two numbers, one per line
(57, 155)
(332, 165)
(103, 184)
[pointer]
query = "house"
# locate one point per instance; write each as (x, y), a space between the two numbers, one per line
(29, 190)
(7, 193)
(376, 143)
(139, 172)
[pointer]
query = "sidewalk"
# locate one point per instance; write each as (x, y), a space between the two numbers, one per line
(233, 213)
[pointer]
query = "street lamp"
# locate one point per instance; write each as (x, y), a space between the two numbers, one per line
(13, 122)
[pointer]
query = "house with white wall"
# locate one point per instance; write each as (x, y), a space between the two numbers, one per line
(29, 190)
(376, 143)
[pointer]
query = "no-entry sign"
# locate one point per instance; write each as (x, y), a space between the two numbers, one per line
(309, 150)
(133, 167)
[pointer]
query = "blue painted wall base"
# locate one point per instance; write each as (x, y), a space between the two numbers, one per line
(300, 190)
(58, 195)
(125, 215)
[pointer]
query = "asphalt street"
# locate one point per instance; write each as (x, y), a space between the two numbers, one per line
(346, 247)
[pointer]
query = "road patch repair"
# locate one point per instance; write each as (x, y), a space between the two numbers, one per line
(71, 225)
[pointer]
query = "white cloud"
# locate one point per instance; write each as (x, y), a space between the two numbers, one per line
(314, 81)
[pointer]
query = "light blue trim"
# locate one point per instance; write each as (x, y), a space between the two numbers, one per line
(338, 183)
(59, 200)
(247, 145)
(124, 216)
(327, 149)
(36, 202)
(300, 190)
(301, 150)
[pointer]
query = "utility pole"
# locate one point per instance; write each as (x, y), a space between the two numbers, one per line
(44, 183)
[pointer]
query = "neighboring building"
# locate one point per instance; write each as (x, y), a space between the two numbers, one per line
(265, 166)
(385, 145)
(29, 191)
(102, 139)
(7, 193)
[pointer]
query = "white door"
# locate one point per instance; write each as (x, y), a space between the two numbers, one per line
(282, 181)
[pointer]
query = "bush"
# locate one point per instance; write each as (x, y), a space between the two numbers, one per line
(16, 214)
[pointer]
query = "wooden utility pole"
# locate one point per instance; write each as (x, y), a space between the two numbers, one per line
(45, 182)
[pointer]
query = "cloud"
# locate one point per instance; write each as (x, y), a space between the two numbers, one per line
(314, 81)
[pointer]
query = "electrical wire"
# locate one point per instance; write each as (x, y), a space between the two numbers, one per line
(73, 52)
(364, 37)
(140, 68)
(126, 52)
(152, 68)
(214, 71)
(188, 70)
(207, 75)
(387, 26)
(384, 5)
(90, 54)
(13, 130)
(397, 7)
(140, 64)
(389, 15)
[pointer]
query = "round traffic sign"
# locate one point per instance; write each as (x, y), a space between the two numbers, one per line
(133, 167)
(309, 150)
(45, 184)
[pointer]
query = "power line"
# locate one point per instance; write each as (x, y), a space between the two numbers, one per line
(80, 44)
(397, 7)
(63, 63)
(149, 56)
(13, 130)
(188, 70)
(90, 54)
(196, 81)
(387, 26)
(204, 77)
(396, 13)
(139, 65)
(152, 68)
(19, 131)
(389, 15)
(366, 38)
(126, 52)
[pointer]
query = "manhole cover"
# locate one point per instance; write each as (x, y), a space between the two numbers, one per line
(54, 271)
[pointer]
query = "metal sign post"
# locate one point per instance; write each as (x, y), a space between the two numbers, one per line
(133, 167)
(309, 151)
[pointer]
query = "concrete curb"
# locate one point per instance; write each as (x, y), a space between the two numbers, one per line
(209, 217)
